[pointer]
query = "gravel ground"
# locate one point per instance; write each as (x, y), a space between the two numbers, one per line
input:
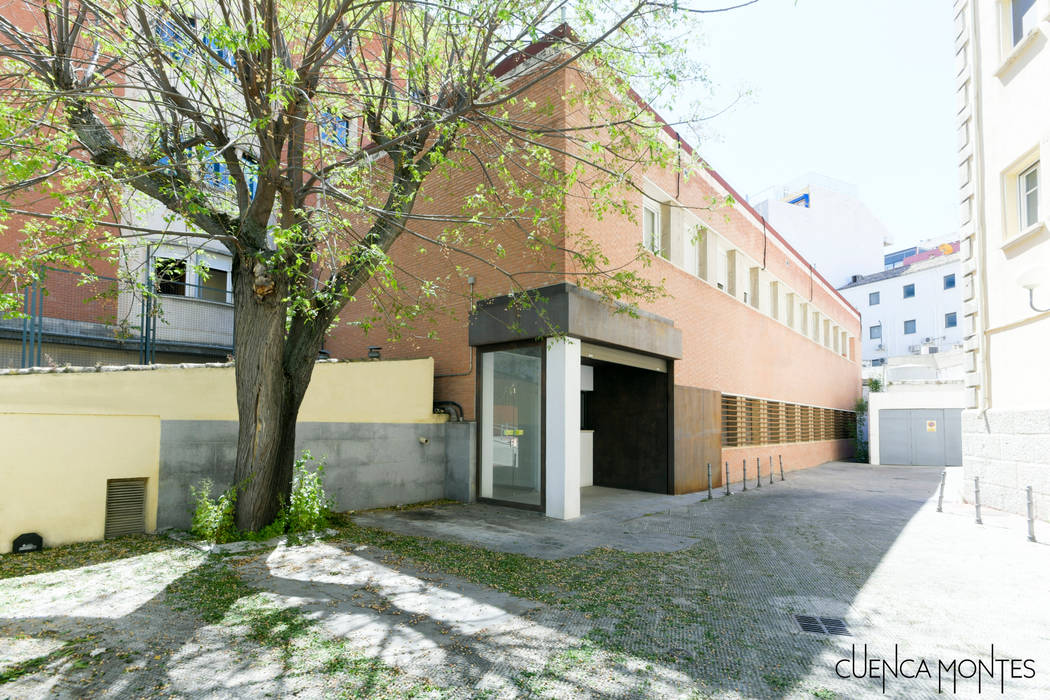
(643, 597)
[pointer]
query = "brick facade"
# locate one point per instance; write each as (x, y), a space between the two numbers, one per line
(729, 345)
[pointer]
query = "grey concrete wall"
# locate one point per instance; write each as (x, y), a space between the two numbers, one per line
(368, 465)
(461, 460)
(1008, 450)
(190, 451)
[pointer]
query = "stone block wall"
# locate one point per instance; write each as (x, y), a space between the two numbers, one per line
(1008, 450)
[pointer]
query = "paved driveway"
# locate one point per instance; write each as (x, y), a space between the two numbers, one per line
(860, 543)
(645, 596)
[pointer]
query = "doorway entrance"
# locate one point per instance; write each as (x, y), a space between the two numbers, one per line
(628, 413)
(511, 425)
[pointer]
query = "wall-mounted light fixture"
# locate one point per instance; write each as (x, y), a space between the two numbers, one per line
(373, 352)
(1032, 279)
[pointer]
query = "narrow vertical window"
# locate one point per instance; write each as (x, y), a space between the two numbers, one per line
(651, 229)
(1028, 191)
(1024, 20)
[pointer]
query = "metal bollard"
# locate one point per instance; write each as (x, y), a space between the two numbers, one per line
(727, 479)
(770, 469)
(709, 496)
(745, 474)
(940, 497)
(977, 498)
(1031, 514)
(781, 458)
(758, 468)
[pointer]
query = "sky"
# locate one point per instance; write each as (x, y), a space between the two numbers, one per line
(859, 90)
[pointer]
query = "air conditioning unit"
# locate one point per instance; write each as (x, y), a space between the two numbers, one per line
(880, 346)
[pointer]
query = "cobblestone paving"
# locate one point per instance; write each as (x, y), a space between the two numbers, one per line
(645, 596)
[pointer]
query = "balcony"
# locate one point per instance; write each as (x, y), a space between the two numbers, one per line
(82, 320)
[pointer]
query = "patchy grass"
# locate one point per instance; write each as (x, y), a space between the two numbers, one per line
(73, 556)
(70, 649)
(209, 590)
(217, 594)
(648, 598)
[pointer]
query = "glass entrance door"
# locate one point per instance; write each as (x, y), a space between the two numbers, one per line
(511, 430)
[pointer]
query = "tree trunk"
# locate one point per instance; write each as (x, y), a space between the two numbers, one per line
(271, 383)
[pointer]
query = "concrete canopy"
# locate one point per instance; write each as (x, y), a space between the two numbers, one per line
(565, 309)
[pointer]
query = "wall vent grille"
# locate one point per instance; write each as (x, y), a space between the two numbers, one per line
(125, 507)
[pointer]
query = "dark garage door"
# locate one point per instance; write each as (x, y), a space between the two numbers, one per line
(920, 436)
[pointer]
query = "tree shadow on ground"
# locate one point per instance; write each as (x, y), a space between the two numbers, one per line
(343, 616)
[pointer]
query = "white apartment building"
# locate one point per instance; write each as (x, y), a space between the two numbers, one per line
(916, 309)
(1003, 61)
(826, 221)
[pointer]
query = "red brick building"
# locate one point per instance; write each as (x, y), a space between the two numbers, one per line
(751, 353)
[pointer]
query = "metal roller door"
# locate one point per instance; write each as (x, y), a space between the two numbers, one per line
(920, 436)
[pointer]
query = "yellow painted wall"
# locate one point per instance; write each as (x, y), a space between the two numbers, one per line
(54, 470)
(396, 391)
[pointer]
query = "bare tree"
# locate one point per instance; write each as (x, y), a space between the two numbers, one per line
(299, 135)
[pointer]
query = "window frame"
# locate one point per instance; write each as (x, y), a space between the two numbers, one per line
(656, 245)
(904, 291)
(954, 318)
(871, 332)
(335, 129)
(1023, 222)
(950, 276)
(914, 327)
(1015, 29)
(162, 268)
(876, 296)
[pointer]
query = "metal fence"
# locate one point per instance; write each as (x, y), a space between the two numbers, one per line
(72, 318)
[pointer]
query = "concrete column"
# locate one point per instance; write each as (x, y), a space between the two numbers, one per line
(563, 428)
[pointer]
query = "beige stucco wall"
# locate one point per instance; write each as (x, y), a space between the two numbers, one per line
(64, 434)
(399, 391)
(55, 469)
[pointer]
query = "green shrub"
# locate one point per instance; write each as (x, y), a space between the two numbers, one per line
(308, 507)
(213, 520)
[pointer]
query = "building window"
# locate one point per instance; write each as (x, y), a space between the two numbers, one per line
(875, 332)
(949, 281)
(949, 320)
(171, 276)
(909, 291)
(651, 232)
(909, 327)
(1028, 195)
(873, 299)
(213, 287)
(335, 130)
(1022, 19)
(723, 270)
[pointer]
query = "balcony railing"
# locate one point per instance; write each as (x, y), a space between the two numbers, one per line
(79, 319)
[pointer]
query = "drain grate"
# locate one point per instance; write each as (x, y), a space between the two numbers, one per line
(822, 625)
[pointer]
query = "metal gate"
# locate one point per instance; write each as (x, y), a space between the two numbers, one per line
(920, 436)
